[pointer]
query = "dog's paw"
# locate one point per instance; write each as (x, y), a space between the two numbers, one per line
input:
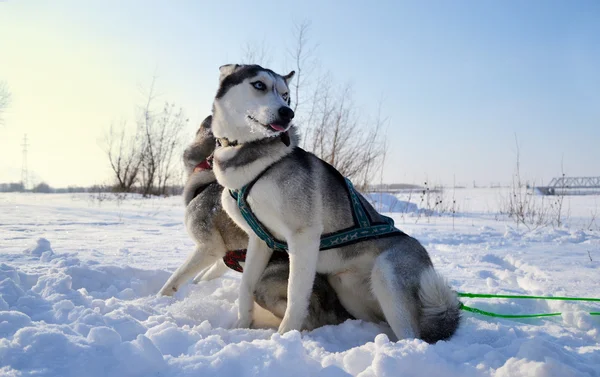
(287, 325)
(167, 291)
(243, 323)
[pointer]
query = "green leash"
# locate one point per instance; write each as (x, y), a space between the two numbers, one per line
(498, 315)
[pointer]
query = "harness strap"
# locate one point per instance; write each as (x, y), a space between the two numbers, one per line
(257, 227)
(362, 230)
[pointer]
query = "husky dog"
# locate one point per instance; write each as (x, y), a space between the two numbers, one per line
(215, 235)
(298, 200)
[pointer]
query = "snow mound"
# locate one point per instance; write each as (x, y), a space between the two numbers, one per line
(42, 246)
(81, 318)
(384, 202)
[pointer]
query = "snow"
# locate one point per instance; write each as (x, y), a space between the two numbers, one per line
(79, 276)
(385, 202)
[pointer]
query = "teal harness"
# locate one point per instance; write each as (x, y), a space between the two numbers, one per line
(362, 230)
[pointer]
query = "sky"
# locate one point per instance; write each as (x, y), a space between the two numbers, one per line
(459, 80)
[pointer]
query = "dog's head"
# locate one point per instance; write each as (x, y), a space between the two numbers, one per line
(195, 156)
(252, 103)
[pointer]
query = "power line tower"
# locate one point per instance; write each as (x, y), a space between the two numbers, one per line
(24, 170)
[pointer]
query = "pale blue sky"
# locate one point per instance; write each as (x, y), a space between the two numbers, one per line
(459, 78)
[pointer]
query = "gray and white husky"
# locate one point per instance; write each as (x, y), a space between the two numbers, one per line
(298, 199)
(216, 237)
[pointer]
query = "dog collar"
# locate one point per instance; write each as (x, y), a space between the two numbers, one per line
(224, 142)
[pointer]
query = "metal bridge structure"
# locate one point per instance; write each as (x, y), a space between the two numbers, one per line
(573, 185)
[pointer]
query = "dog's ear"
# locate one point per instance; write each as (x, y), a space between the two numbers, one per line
(289, 77)
(206, 123)
(227, 70)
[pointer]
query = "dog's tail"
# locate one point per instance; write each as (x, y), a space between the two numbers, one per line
(440, 308)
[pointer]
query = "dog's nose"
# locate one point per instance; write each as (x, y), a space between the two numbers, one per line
(286, 113)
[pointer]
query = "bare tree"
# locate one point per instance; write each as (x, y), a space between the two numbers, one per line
(125, 156)
(303, 54)
(171, 123)
(335, 132)
(147, 158)
(333, 129)
(161, 140)
(5, 99)
(558, 217)
(256, 53)
(521, 205)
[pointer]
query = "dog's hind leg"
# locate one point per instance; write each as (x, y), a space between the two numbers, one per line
(324, 307)
(396, 294)
(271, 290)
(218, 269)
(203, 256)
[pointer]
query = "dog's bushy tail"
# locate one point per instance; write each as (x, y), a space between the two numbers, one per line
(440, 308)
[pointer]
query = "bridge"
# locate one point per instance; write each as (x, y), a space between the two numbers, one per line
(567, 185)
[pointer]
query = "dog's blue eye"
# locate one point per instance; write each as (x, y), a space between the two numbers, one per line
(285, 96)
(259, 85)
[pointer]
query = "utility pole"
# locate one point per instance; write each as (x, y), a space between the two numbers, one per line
(24, 170)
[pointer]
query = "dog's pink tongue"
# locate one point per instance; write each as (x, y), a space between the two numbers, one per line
(277, 127)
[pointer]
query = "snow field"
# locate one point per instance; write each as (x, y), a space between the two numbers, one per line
(78, 279)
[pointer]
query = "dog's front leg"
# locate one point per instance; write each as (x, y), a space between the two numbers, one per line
(257, 257)
(304, 254)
